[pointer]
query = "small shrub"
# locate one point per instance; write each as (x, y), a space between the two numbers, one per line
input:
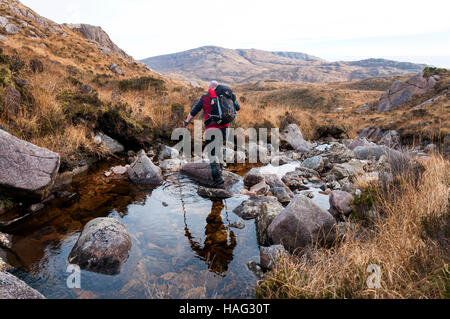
(141, 84)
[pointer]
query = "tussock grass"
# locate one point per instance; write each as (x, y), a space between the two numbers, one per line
(410, 244)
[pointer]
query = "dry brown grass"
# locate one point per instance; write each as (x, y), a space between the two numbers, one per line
(410, 244)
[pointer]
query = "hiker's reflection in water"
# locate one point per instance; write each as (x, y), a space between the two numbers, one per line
(217, 251)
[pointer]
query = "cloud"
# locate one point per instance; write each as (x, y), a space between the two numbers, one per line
(146, 28)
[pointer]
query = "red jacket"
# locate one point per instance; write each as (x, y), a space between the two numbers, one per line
(205, 104)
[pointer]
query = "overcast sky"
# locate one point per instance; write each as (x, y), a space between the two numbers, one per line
(413, 30)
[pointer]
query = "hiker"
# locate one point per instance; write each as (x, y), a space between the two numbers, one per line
(218, 114)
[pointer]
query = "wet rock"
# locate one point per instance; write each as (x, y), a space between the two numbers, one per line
(340, 203)
(119, 170)
(315, 163)
(281, 194)
(12, 287)
(143, 171)
(171, 164)
(293, 137)
(237, 225)
(268, 212)
(102, 247)
(5, 240)
(270, 255)
(280, 160)
(252, 207)
(302, 223)
(26, 170)
(253, 177)
(200, 171)
(168, 152)
(260, 189)
(214, 193)
(109, 143)
(255, 269)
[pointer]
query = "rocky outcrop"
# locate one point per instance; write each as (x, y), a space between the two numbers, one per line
(143, 171)
(26, 170)
(97, 34)
(12, 287)
(401, 92)
(302, 223)
(350, 169)
(293, 137)
(102, 247)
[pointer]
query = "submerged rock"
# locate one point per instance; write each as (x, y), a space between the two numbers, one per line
(26, 170)
(214, 193)
(302, 223)
(143, 171)
(12, 287)
(102, 247)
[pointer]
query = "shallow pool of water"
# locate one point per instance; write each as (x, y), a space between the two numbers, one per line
(182, 245)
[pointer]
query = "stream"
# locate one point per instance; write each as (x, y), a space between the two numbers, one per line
(183, 246)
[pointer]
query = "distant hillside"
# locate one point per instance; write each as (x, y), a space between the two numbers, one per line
(238, 66)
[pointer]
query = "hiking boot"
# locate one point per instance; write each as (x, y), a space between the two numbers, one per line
(216, 173)
(218, 183)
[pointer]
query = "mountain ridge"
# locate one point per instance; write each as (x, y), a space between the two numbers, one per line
(246, 65)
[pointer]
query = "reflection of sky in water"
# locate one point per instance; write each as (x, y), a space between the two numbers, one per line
(174, 254)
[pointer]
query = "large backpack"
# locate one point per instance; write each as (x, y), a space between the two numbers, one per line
(223, 110)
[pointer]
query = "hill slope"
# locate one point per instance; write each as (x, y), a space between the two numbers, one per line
(237, 66)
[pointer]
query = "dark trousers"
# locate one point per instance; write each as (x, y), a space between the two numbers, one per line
(216, 168)
(224, 139)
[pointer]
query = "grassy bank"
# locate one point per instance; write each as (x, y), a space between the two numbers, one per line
(410, 243)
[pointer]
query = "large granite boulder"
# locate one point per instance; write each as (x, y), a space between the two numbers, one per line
(293, 137)
(401, 92)
(26, 170)
(102, 247)
(12, 287)
(143, 171)
(302, 223)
